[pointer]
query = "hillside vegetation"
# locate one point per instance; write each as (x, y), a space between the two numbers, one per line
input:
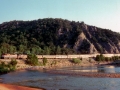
(56, 36)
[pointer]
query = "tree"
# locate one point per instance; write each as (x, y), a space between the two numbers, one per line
(21, 48)
(58, 50)
(36, 50)
(0, 53)
(47, 50)
(12, 49)
(4, 47)
(85, 47)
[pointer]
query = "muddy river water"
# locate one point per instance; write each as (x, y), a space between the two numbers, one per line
(65, 82)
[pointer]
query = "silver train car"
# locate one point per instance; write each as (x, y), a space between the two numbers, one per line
(15, 56)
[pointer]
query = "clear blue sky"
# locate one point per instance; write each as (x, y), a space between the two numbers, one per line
(100, 13)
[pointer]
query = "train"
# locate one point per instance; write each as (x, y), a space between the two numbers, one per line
(15, 56)
(21, 56)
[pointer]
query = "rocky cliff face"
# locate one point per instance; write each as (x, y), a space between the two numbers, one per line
(101, 40)
(67, 36)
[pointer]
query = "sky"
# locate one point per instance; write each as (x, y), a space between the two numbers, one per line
(101, 13)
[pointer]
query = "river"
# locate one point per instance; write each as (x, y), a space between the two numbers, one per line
(64, 82)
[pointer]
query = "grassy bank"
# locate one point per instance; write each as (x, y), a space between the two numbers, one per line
(54, 63)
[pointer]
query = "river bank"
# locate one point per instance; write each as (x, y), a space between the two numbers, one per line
(59, 63)
(15, 87)
(54, 64)
(52, 70)
(51, 63)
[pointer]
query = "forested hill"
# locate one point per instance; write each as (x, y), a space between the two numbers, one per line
(56, 36)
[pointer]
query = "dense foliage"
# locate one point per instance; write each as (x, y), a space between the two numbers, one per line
(32, 59)
(43, 36)
(103, 58)
(76, 60)
(53, 36)
(5, 68)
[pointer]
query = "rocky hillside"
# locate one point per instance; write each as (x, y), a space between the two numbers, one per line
(56, 36)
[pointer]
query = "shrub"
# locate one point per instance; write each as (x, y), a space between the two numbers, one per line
(54, 62)
(100, 58)
(76, 60)
(115, 58)
(103, 58)
(13, 62)
(107, 59)
(5, 68)
(32, 59)
(45, 61)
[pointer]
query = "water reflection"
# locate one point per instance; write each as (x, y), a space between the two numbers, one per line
(106, 69)
(99, 69)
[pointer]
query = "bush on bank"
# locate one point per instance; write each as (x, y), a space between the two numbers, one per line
(5, 68)
(32, 59)
(45, 61)
(101, 57)
(76, 60)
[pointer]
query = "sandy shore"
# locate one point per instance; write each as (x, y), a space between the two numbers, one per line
(15, 87)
